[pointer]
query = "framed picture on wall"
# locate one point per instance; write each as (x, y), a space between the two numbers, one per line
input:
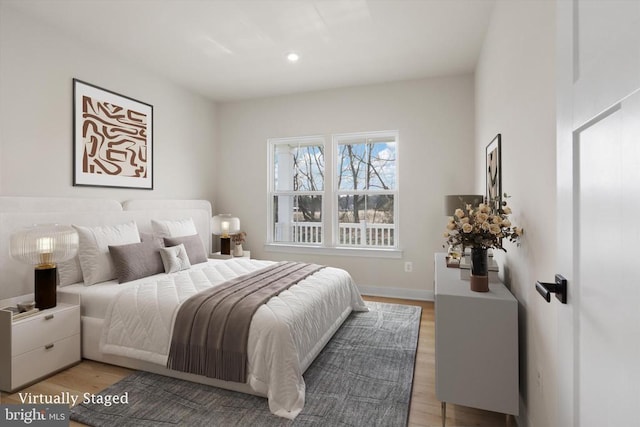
(112, 139)
(494, 172)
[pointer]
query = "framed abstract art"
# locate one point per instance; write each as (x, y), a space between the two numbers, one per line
(112, 139)
(494, 172)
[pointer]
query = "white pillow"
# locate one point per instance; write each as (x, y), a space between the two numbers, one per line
(93, 250)
(175, 258)
(69, 272)
(173, 228)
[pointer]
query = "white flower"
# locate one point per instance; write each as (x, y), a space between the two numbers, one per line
(485, 225)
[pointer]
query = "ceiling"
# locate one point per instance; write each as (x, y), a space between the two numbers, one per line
(236, 49)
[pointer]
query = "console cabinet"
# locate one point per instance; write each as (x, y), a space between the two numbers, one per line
(476, 343)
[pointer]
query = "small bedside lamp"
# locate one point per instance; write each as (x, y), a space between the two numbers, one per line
(460, 201)
(43, 246)
(223, 225)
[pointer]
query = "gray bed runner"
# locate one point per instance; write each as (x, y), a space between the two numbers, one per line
(212, 327)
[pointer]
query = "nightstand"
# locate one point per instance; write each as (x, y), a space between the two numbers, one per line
(39, 345)
(218, 255)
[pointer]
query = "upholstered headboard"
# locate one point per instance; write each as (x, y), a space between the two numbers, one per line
(16, 278)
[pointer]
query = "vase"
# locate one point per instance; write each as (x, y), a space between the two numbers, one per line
(237, 250)
(479, 270)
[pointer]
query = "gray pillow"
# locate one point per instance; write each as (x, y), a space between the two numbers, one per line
(136, 260)
(193, 245)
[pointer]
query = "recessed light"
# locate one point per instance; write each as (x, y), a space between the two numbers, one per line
(293, 57)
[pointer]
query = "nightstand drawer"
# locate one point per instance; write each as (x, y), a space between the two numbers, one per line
(43, 361)
(45, 328)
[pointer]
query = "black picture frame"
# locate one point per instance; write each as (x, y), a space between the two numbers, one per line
(493, 156)
(112, 139)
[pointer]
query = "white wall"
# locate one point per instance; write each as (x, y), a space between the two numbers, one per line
(37, 64)
(435, 120)
(515, 96)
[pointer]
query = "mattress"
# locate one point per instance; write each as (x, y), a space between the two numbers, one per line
(95, 299)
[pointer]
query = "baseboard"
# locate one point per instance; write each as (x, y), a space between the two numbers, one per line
(378, 291)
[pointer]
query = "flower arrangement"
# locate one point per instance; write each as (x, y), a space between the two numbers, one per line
(482, 227)
(239, 237)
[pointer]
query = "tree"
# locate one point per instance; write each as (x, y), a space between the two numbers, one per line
(309, 176)
(361, 168)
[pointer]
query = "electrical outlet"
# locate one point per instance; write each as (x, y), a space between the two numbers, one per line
(408, 267)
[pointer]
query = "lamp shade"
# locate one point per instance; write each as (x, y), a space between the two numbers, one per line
(225, 224)
(460, 201)
(44, 244)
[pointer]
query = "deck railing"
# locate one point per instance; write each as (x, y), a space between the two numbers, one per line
(350, 234)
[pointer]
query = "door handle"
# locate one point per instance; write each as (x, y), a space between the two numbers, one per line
(559, 288)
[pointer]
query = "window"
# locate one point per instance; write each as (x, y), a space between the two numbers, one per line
(343, 196)
(366, 190)
(297, 187)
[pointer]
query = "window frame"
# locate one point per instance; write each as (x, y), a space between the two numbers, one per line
(336, 192)
(272, 192)
(329, 194)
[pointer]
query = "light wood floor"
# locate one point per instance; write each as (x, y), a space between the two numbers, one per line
(92, 377)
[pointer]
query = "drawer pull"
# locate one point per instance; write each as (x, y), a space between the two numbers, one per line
(48, 346)
(48, 317)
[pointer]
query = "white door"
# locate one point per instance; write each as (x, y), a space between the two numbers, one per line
(598, 179)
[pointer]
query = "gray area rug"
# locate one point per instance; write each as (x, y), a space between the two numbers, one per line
(363, 377)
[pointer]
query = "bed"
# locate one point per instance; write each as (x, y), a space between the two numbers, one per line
(130, 324)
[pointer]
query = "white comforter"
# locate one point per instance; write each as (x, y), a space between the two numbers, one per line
(284, 336)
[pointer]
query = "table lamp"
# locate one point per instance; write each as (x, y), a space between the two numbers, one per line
(223, 225)
(460, 201)
(43, 246)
